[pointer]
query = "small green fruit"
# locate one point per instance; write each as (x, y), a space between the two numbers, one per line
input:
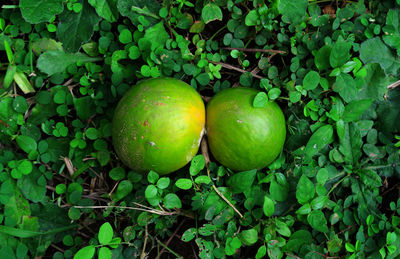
(240, 136)
(158, 125)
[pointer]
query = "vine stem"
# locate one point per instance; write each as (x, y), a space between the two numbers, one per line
(215, 34)
(204, 151)
(169, 249)
(337, 184)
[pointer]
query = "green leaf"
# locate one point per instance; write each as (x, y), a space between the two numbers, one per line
(148, 8)
(346, 86)
(163, 182)
(248, 237)
(197, 164)
(375, 51)
(311, 80)
(49, 62)
(150, 192)
(241, 182)
(40, 10)
(19, 104)
(322, 57)
(152, 177)
(26, 143)
(172, 201)
(211, 12)
(282, 228)
(117, 173)
(292, 11)
(105, 233)
(124, 188)
(355, 109)
(317, 221)
(106, 9)
(184, 183)
(340, 53)
(23, 82)
(251, 18)
(261, 252)
(350, 141)
(305, 190)
(74, 29)
(322, 137)
(33, 186)
(279, 190)
(189, 234)
(105, 253)
(370, 178)
(268, 206)
(156, 35)
(86, 252)
(260, 100)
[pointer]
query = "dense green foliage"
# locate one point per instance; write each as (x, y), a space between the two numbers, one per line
(333, 191)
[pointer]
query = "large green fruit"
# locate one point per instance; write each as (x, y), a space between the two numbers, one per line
(158, 125)
(240, 136)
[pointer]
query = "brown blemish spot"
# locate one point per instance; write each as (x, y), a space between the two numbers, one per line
(143, 100)
(160, 104)
(146, 123)
(239, 121)
(139, 122)
(134, 137)
(142, 137)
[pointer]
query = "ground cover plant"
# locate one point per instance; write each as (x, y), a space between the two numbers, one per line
(332, 66)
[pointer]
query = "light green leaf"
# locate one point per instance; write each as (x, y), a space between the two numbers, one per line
(148, 8)
(184, 183)
(248, 237)
(260, 100)
(197, 164)
(106, 9)
(40, 10)
(211, 12)
(50, 61)
(156, 35)
(172, 201)
(105, 233)
(85, 253)
(105, 253)
(268, 206)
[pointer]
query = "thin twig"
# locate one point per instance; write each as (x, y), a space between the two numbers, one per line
(204, 151)
(154, 211)
(146, 236)
(394, 85)
(169, 249)
(257, 50)
(227, 66)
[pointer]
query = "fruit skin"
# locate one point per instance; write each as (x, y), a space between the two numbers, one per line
(240, 136)
(158, 125)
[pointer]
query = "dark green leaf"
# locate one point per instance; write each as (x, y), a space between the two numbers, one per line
(26, 143)
(292, 11)
(40, 10)
(172, 201)
(311, 80)
(49, 62)
(317, 220)
(340, 53)
(241, 182)
(74, 29)
(355, 109)
(322, 137)
(133, 9)
(375, 51)
(248, 237)
(305, 190)
(106, 9)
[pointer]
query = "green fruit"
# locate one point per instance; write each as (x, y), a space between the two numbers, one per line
(158, 125)
(240, 136)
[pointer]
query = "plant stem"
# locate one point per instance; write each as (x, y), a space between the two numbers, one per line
(336, 185)
(215, 34)
(168, 249)
(9, 6)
